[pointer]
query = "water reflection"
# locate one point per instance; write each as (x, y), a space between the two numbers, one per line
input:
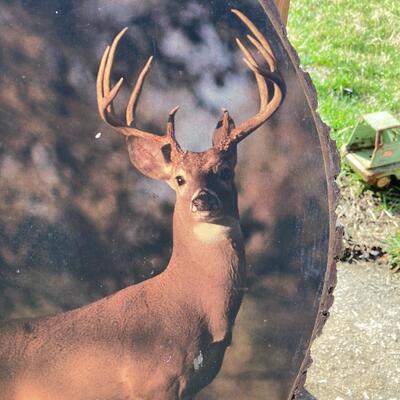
(78, 222)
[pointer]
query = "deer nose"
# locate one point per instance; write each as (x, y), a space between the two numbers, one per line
(205, 200)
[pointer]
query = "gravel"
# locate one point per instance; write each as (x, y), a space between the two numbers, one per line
(358, 354)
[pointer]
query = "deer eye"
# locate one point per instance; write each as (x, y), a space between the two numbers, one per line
(180, 180)
(226, 174)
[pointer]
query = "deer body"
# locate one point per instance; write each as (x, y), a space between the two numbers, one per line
(164, 338)
(160, 339)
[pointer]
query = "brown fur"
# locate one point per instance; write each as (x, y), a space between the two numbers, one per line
(161, 339)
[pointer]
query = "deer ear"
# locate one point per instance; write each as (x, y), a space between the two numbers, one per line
(221, 131)
(151, 158)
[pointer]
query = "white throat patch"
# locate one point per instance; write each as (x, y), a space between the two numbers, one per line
(209, 232)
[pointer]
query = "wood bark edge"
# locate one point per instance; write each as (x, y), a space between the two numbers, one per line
(283, 8)
(332, 168)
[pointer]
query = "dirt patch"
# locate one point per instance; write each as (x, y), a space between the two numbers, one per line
(367, 220)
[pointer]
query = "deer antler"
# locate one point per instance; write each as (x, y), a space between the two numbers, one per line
(267, 107)
(106, 95)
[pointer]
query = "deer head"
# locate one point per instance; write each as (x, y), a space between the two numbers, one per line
(204, 181)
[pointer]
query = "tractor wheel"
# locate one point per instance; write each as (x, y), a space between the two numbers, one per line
(383, 182)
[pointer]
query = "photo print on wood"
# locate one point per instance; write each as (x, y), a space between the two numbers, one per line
(198, 259)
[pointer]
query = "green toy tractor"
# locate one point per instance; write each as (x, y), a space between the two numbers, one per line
(373, 150)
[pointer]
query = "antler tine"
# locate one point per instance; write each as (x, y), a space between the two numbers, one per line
(225, 120)
(170, 132)
(106, 95)
(171, 123)
(255, 31)
(267, 108)
(99, 84)
(133, 100)
(109, 64)
(252, 64)
(264, 52)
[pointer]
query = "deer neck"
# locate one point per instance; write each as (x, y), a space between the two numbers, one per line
(208, 265)
(205, 244)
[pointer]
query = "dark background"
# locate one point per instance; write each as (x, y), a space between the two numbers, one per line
(77, 222)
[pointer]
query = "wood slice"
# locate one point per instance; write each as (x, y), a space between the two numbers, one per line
(77, 222)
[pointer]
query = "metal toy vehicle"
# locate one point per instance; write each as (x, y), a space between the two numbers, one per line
(373, 150)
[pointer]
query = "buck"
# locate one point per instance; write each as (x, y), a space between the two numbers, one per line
(164, 338)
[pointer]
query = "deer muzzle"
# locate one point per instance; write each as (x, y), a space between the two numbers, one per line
(205, 201)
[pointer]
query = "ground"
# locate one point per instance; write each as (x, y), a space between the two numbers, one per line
(358, 354)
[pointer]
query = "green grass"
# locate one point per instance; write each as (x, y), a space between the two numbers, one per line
(351, 49)
(393, 250)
